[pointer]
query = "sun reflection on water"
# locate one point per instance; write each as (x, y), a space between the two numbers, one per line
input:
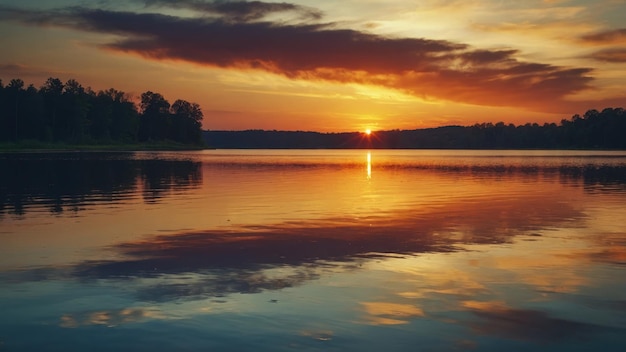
(369, 165)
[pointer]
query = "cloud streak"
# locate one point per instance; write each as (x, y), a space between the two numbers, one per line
(432, 69)
(616, 36)
(614, 42)
(241, 11)
(616, 55)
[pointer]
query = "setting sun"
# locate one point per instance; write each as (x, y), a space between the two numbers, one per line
(368, 131)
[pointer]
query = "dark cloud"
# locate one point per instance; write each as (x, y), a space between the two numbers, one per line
(422, 67)
(12, 70)
(606, 37)
(486, 56)
(616, 55)
(11, 67)
(239, 10)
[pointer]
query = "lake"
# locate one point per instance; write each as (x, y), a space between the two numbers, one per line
(314, 250)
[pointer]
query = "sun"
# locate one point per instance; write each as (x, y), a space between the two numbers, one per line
(368, 131)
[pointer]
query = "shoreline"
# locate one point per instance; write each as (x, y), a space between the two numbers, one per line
(36, 147)
(166, 148)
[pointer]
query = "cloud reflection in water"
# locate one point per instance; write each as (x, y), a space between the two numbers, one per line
(217, 263)
(524, 324)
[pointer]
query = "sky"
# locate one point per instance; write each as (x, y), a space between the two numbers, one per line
(328, 65)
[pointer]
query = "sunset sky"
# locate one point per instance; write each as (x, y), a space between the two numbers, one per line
(329, 65)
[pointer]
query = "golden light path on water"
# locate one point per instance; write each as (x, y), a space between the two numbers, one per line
(369, 165)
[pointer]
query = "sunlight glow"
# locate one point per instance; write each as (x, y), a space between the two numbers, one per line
(368, 131)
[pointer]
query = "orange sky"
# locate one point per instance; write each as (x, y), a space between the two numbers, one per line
(332, 65)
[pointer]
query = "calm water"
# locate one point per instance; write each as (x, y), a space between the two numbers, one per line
(313, 250)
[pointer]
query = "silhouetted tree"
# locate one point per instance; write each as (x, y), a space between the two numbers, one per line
(125, 118)
(186, 122)
(154, 116)
(76, 106)
(51, 91)
(32, 123)
(16, 90)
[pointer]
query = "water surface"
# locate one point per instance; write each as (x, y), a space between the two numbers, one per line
(313, 250)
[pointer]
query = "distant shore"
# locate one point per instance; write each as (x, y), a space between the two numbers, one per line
(594, 131)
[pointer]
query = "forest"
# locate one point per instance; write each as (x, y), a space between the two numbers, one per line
(595, 129)
(69, 113)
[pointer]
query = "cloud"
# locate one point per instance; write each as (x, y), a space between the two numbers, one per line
(422, 67)
(616, 55)
(616, 36)
(238, 10)
(11, 67)
(10, 70)
(615, 39)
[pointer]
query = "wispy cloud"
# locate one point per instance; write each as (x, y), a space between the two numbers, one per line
(615, 36)
(10, 70)
(617, 55)
(238, 10)
(614, 43)
(422, 67)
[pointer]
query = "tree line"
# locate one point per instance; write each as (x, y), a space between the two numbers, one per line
(67, 112)
(595, 129)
